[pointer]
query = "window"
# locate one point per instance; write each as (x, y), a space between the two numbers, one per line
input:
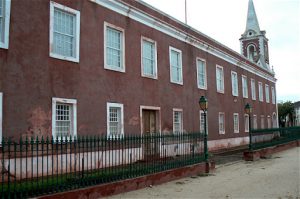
(262, 121)
(221, 123)
(201, 74)
(1, 116)
(273, 95)
(234, 83)
(64, 118)
(236, 123)
(4, 23)
(202, 122)
(176, 66)
(64, 32)
(275, 120)
(246, 122)
(114, 49)
(260, 92)
(269, 122)
(220, 79)
(115, 120)
(149, 63)
(177, 121)
(245, 86)
(254, 122)
(267, 93)
(253, 89)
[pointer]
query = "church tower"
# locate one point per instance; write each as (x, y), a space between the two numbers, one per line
(254, 44)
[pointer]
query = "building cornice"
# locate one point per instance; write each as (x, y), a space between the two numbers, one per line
(151, 21)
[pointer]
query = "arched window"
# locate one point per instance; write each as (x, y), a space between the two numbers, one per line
(251, 52)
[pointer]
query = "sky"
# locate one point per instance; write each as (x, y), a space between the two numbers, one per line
(225, 21)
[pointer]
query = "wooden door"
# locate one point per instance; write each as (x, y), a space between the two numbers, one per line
(151, 142)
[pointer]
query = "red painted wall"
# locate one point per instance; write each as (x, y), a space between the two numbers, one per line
(29, 78)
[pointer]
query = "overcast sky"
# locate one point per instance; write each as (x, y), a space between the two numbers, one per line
(225, 21)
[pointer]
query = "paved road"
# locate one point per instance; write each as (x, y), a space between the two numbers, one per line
(277, 177)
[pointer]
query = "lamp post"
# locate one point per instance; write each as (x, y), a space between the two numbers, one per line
(248, 110)
(203, 106)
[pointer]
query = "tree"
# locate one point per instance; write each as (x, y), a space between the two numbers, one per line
(285, 109)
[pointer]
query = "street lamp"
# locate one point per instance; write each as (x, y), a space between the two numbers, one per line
(248, 110)
(203, 106)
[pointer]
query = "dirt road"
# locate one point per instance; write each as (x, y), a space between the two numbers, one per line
(277, 177)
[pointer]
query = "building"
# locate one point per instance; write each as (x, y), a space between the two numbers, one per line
(297, 113)
(89, 67)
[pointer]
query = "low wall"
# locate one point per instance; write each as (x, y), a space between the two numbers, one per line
(266, 152)
(134, 183)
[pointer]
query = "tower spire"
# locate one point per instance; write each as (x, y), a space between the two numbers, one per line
(252, 21)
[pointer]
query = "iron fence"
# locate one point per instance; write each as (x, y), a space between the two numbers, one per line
(263, 138)
(38, 166)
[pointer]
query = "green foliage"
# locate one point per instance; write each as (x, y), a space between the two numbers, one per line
(285, 109)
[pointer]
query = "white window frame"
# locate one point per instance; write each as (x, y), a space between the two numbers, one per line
(246, 123)
(262, 121)
(235, 92)
(72, 102)
(273, 95)
(122, 68)
(221, 131)
(253, 89)
(115, 105)
(181, 111)
(54, 5)
(260, 92)
(155, 58)
(254, 121)
(5, 43)
(202, 130)
(1, 116)
(222, 89)
(180, 82)
(205, 73)
(269, 122)
(245, 86)
(238, 123)
(267, 93)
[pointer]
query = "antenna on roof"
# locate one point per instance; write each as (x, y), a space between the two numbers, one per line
(185, 11)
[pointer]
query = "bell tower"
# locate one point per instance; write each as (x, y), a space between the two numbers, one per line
(254, 44)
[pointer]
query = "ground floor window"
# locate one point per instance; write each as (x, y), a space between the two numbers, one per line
(202, 122)
(236, 122)
(221, 123)
(64, 118)
(115, 121)
(262, 121)
(254, 122)
(177, 121)
(1, 114)
(246, 123)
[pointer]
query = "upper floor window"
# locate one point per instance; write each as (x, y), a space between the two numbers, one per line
(253, 89)
(267, 93)
(236, 123)
(177, 121)
(64, 118)
(220, 79)
(149, 63)
(176, 65)
(245, 86)
(234, 84)
(201, 74)
(260, 92)
(273, 96)
(115, 118)
(4, 23)
(64, 32)
(221, 123)
(114, 49)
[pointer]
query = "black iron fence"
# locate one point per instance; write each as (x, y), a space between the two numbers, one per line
(34, 166)
(262, 138)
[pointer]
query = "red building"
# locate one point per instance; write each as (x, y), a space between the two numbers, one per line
(89, 67)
